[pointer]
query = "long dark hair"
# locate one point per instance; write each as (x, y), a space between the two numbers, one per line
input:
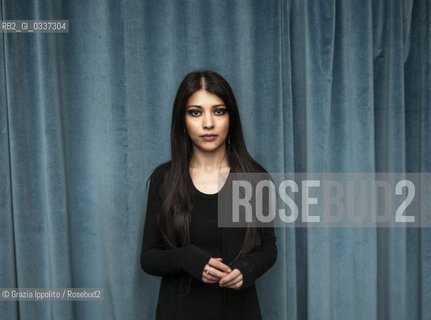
(174, 218)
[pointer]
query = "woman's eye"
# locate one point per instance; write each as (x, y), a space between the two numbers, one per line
(220, 112)
(194, 113)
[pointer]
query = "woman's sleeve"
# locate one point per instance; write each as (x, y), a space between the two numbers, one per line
(155, 258)
(258, 261)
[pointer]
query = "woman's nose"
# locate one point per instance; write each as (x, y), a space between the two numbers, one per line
(208, 121)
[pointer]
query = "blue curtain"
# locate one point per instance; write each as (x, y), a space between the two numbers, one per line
(323, 86)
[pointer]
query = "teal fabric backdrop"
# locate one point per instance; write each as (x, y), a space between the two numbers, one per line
(329, 86)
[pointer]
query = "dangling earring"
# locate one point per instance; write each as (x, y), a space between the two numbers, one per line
(228, 141)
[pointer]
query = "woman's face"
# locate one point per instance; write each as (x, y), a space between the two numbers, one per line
(207, 121)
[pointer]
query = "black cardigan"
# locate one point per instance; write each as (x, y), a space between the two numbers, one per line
(182, 293)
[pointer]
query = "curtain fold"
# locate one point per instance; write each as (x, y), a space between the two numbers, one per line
(322, 86)
(8, 272)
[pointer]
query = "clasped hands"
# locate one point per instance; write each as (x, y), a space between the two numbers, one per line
(215, 271)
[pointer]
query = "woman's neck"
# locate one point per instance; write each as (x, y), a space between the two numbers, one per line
(209, 161)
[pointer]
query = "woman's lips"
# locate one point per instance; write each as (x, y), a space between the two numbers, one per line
(208, 137)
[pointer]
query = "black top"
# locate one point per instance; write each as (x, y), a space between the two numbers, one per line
(182, 293)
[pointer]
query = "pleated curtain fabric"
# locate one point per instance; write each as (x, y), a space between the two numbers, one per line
(322, 86)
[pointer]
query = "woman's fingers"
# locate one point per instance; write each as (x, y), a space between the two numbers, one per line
(207, 278)
(234, 280)
(217, 264)
(214, 270)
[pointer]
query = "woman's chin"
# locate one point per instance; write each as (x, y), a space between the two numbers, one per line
(209, 147)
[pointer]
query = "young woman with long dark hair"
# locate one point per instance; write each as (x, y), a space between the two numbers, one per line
(207, 272)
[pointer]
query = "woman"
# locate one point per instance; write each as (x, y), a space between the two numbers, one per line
(207, 272)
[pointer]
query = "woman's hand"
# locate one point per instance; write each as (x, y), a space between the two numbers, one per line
(233, 280)
(215, 270)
